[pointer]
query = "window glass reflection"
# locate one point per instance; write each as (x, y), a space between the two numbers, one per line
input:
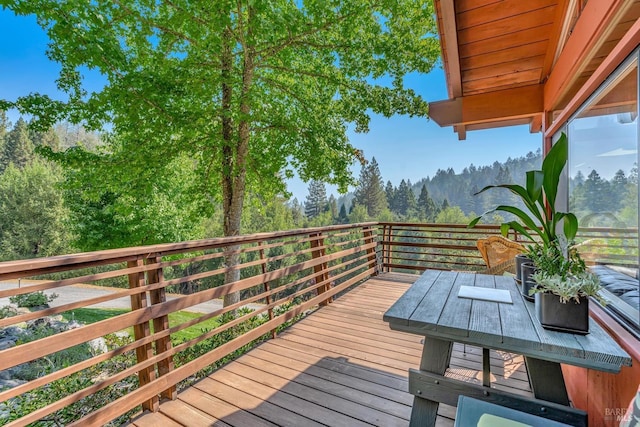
(603, 187)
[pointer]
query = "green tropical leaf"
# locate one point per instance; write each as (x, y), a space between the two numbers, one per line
(522, 215)
(552, 166)
(476, 219)
(535, 181)
(514, 225)
(570, 226)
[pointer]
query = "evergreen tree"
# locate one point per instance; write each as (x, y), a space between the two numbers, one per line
(297, 212)
(503, 176)
(445, 204)
(633, 174)
(427, 209)
(390, 192)
(596, 193)
(343, 218)
(477, 200)
(333, 207)
(406, 200)
(4, 129)
(370, 190)
(49, 139)
(618, 188)
(18, 148)
(316, 201)
(33, 218)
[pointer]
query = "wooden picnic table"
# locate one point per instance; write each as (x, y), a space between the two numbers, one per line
(431, 307)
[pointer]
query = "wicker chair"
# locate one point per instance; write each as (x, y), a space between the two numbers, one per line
(499, 254)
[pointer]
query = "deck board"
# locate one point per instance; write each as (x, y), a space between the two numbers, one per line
(339, 366)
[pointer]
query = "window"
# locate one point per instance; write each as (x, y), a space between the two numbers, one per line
(603, 187)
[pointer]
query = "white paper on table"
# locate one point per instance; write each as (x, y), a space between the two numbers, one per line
(485, 294)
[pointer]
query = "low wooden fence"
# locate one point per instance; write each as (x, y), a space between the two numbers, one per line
(611, 246)
(282, 276)
(415, 247)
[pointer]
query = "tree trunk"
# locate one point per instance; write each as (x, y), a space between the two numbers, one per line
(235, 154)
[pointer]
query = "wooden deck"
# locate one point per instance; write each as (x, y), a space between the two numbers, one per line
(340, 366)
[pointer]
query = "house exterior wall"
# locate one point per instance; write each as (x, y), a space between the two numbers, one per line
(605, 396)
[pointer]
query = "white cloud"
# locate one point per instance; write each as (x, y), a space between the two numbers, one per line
(618, 152)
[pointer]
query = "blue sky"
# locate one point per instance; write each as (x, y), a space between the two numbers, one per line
(405, 148)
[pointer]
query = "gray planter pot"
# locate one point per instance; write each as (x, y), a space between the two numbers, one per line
(520, 259)
(526, 271)
(569, 317)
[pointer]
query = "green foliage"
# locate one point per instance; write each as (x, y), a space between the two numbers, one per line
(56, 390)
(370, 190)
(427, 209)
(551, 260)
(18, 149)
(572, 287)
(358, 214)
(247, 91)
(111, 209)
(33, 217)
(7, 311)
(562, 271)
(451, 215)
(33, 299)
(405, 200)
(316, 201)
(541, 185)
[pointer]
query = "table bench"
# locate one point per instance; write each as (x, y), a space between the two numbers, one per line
(431, 308)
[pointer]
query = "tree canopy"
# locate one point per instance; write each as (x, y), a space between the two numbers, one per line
(250, 90)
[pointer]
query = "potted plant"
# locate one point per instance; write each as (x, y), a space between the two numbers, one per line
(563, 286)
(560, 273)
(541, 218)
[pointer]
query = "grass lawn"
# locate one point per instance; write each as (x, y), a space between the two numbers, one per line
(92, 315)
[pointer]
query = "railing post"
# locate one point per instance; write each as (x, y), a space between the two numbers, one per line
(142, 330)
(369, 238)
(317, 241)
(266, 286)
(158, 296)
(388, 245)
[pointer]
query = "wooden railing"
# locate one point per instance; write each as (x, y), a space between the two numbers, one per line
(612, 246)
(414, 247)
(283, 275)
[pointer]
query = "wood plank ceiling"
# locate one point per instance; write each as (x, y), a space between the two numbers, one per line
(503, 45)
(498, 54)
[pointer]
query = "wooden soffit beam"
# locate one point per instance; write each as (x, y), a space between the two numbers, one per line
(623, 49)
(500, 107)
(450, 34)
(588, 34)
(451, 55)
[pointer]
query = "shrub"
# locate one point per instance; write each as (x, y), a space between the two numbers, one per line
(7, 311)
(35, 299)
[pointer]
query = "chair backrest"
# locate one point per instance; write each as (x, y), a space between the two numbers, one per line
(497, 250)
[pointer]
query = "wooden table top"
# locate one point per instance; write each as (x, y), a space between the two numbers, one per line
(431, 307)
